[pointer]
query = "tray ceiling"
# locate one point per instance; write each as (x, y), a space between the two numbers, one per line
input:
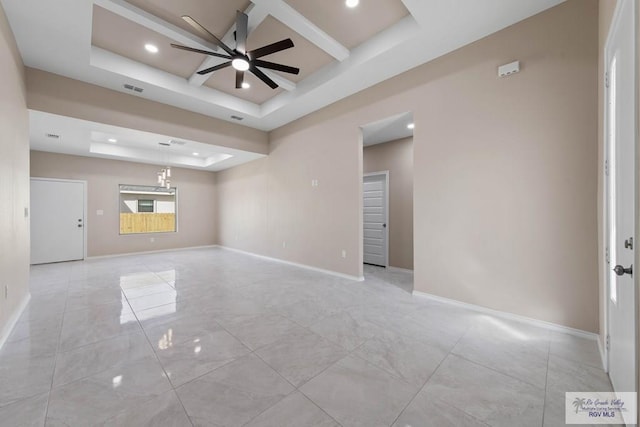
(339, 50)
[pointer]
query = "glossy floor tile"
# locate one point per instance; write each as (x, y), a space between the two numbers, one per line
(215, 338)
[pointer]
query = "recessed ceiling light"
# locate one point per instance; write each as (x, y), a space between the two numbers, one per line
(245, 85)
(196, 154)
(112, 140)
(352, 3)
(411, 126)
(151, 48)
(240, 64)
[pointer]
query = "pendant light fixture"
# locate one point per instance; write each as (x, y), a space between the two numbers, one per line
(163, 177)
(164, 174)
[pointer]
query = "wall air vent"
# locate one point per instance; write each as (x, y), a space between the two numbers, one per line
(237, 118)
(133, 88)
(52, 135)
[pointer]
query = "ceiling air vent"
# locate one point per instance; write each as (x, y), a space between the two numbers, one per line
(237, 118)
(176, 142)
(133, 88)
(52, 135)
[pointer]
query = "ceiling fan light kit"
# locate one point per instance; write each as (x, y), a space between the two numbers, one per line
(239, 58)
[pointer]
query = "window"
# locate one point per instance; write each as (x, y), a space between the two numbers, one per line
(145, 205)
(147, 209)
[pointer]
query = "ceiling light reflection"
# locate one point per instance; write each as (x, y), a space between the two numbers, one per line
(151, 48)
(166, 341)
(117, 381)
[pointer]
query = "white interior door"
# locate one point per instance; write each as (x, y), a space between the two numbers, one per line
(57, 220)
(375, 206)
(620, 134)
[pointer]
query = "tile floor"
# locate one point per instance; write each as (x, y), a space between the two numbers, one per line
(215, 338)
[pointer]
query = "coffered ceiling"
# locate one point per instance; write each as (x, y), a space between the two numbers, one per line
(339, 50)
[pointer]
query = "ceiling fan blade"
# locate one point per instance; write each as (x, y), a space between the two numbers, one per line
(277, 67)
(204, 52)
(262, 76)
(239, 79)
(242, 23)
(206, 34)
(270, 48)
(214, 68)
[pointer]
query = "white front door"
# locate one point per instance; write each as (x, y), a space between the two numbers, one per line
(57, 220)
(620, 134)
(375, 206)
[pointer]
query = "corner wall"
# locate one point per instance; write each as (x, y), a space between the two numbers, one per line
(505, 188)
(14, 180)
(397, 158)
(196, 209)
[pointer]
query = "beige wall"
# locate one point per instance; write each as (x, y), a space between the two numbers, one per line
(269, 207)
(397, 158)
(605, 15)
(196, 202)
(14, 179)
(67, 97)
(505, 174)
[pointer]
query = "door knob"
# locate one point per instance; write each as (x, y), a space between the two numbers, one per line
(620, 270)
(384, 225)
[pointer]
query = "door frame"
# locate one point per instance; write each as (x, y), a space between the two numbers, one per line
(607, 202)
(386, 213)
(84, 207)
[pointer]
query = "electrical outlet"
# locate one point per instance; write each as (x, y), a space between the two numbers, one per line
(284, 245)
(152, 239)
(344, 253)
(6, 292)
(26, 212)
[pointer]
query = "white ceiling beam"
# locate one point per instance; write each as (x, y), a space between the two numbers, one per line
(139, 16)
(139, 72)
(307, 29)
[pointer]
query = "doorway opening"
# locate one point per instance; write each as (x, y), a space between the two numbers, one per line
(387, 200)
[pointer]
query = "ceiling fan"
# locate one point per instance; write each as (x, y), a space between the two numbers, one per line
(239, 58)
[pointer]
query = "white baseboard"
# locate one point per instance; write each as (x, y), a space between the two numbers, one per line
(150, 252)
(603, 356)
(403, 270)
(11, 322)
(510, 316)
(295, 264)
